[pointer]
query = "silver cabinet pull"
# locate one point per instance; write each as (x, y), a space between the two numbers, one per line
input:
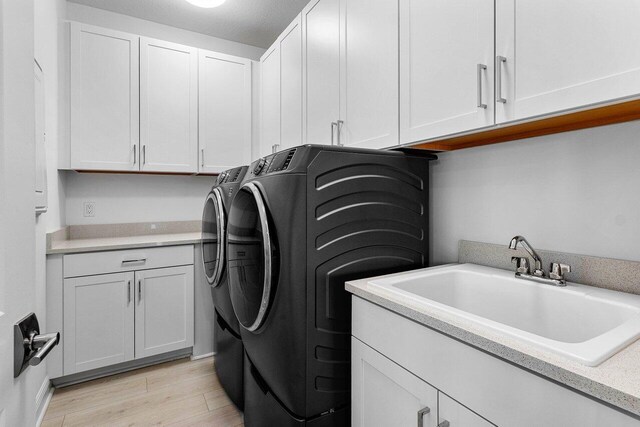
(135, 154)
(499, 61)
(444, 423)
(481, 68)
(134, 261)
(334, 125)
(275, 148)
(144, 154)
(202, 157)
(421, 414)
(139, 290)
(340, 123)
(129, 292)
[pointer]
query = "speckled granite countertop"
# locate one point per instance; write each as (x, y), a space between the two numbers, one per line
(105, 237)
(615, 381)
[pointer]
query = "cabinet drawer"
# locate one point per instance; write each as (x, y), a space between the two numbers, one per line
(127, 260)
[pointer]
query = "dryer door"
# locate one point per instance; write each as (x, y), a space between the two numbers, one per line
(252, 257)
(213, 237)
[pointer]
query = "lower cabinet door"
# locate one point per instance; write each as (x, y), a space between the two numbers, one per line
(98, 321)
(163, 310)
(387, 395)
(453, 414)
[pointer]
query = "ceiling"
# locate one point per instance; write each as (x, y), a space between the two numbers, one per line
(253, 22)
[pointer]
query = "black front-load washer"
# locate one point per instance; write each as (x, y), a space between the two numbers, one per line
(228, 343)
(304, 221)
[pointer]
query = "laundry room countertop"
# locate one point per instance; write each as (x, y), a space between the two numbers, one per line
(105, 237)
(615, 381)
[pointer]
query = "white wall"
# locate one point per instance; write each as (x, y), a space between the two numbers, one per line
(136, 198)
(573, 192)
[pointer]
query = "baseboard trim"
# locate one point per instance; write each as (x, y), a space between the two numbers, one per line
(43, 398)
(203, 356)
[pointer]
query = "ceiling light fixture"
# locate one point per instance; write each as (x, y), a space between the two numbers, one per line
(206, 3)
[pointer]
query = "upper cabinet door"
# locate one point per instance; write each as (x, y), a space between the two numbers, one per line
(446, 67)
(369, 68)
(225, 112)
(168, 107)
(270, 100)
(321, 71)
(563, 54)
(104, 99)
(291, 85)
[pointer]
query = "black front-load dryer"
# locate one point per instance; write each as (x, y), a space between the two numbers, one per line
(228, 342)
(304, 221)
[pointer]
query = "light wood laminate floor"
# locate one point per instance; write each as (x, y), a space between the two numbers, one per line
(178, 393)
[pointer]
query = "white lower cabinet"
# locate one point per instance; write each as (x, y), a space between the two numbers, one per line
(118, 317)
(98, 321)
(385, 394)
(397, 365)
(164, 310)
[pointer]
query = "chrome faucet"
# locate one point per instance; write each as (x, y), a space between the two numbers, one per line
(556, 270)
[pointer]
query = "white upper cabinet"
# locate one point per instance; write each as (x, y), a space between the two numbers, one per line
(104, 99)
(446, 67)
(291, 85)
(168, 107)
(270, 100)
(224, 112)
(321, 71)
(369, 73)
(563, 54)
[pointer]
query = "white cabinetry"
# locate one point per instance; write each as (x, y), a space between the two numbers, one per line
(446, 67)
(281, 88)
(104, 99)
(291, 85)
(369, 73)
(385, 394)
(164, 310)
(143, 307)
(321, 71)
(98, 319)
(168, 106)
(484, 387)
(565, 54)
(224, 112)
(269, 100)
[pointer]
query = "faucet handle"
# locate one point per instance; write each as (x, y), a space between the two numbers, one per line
(558, 270)
(522, 264)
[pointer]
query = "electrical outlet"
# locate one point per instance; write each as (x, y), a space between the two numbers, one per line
(89, 209)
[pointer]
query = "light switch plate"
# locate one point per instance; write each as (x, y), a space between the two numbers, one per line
(89, 209)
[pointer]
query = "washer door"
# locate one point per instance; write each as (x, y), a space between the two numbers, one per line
(213, 237)
(251, 257)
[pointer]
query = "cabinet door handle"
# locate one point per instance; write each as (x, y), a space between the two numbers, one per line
(275, 148)
(334, 125)
(444, 423)
(139, 290)
(129, 292)
(144, 154)
(421, 414)
(499, 61)
(202, 157)
(481, 68)
(339, 125)
(134, 261)
(135, 154)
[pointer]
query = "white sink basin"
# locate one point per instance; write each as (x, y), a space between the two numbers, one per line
(583, 323)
